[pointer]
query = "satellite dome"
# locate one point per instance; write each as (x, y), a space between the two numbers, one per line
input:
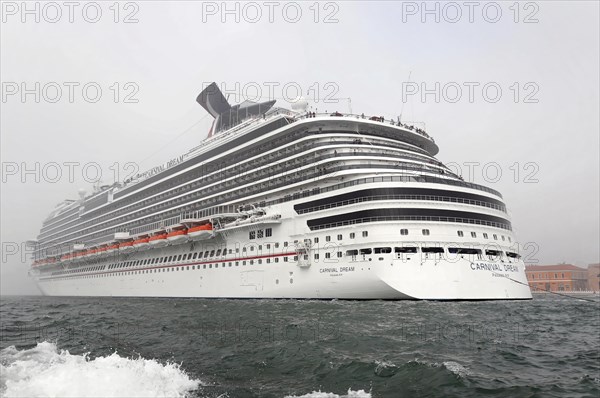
(299, 104)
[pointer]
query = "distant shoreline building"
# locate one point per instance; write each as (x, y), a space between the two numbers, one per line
(557, 278)
(594, 277)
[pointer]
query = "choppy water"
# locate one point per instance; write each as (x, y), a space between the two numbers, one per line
(80, 347)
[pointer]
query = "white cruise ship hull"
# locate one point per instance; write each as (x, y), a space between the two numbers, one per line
(301, 206)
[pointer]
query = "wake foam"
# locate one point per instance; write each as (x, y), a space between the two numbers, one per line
(319, 394)
(43, 371)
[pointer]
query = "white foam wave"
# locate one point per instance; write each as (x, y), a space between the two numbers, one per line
(43, 371)
(319, 394)
(456, 368)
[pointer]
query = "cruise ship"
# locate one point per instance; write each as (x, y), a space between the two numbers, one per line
(287, 203)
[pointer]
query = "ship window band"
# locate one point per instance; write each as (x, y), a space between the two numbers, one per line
(432, 249)
(463, 250)
(374, 194)
(409, 214)
(493, 253)
(405, 249)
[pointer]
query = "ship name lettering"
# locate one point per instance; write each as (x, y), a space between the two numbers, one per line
(328, 270)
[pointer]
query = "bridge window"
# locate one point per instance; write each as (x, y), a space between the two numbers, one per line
(268, 232)
(432, 249)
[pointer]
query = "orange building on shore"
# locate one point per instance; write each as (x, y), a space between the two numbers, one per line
(557, 278)
(594, 277)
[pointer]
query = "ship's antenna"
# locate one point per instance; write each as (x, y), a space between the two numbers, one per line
(403, 103)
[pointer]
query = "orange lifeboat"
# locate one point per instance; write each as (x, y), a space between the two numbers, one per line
(126, 247)
(158, 240)
(101, 251)
(112, 248)
(177, 236)
(200, 232)
(141, 243)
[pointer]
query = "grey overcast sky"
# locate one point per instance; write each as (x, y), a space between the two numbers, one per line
(529, 127)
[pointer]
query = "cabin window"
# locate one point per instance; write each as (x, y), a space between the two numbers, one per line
(473, 234)
(252, 235)
(328, 238)
(425, 232)
(259, 233)
(404, 231)
(485, 235)
(382, 250)
(352, 235)
(460, 233)
(366, 251)
(339, 237)
(316, 240)
(365, 234)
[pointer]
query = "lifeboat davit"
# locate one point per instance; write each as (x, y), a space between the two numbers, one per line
(158, 240)
(177, 236)
(200, 232)
(141, 243)
(126, 247)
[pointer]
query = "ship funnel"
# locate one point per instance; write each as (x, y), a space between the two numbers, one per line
(227, 116)
(212, 99)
